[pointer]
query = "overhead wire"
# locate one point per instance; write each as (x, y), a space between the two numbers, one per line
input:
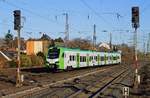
(96, 13)
(38, 15)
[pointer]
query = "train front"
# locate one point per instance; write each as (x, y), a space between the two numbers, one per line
(52, 58)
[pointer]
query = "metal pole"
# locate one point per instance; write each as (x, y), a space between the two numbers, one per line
(136, 60)
(110, 43)
(18, 81)
(66, 27)
(148, 44)
(94, 37)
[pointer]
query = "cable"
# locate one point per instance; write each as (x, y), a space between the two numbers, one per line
(97, 14)
(36, 14)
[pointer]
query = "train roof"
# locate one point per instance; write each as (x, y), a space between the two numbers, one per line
(78, 49)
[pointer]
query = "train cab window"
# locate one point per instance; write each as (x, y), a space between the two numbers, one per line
(53, 53)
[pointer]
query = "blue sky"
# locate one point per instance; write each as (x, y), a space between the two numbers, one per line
(40, 16)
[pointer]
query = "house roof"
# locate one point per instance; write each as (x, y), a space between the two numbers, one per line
(8, 55)
(104, 45)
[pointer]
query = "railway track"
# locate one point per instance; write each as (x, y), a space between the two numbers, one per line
(72, 84)
(96, 91)
(82, 86)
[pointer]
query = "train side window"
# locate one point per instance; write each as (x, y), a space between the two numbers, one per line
(102, 58)
(70, 57)
(115, 58)
(84, 58)
(80, 58)
(96, 58)
(73, 57)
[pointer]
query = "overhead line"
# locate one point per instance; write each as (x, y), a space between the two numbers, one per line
(36, 14)
(96, 13)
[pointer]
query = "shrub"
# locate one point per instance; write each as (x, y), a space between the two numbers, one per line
(41, 54)
(12, 63)
(25, 61)
(37, 60)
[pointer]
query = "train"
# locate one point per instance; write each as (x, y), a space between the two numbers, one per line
(62, 58)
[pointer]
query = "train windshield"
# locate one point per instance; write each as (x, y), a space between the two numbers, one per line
(53, 53)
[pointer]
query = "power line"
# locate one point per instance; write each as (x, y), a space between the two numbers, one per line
(96, 13)
(36, 14)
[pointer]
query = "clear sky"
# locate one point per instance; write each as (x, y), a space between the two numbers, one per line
(47, 16)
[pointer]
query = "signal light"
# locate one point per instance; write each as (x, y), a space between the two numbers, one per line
(17, 19)
(135, 17)
(135, 14)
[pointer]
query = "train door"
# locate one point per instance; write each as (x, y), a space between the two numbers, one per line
(66, 59)
(102, 59)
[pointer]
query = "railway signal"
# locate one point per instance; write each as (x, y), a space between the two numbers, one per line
(135, 17)
(17, 27)
(17, 19)
(135, 25)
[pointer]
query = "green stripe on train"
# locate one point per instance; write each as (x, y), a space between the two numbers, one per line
(87, 59)
(78, 60)
(61, 59)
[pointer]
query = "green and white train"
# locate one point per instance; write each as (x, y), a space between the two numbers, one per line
(67, 58)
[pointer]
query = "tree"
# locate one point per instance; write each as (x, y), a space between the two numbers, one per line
(9, 39)
(80, 43)
(45, 37)
(41, 54)
(59, 40)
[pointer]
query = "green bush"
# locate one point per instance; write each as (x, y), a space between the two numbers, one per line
(12, 63)
(41, 54)
(25, 61)
(37, 60)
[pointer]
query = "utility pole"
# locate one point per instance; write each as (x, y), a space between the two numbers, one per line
(148, 44)
(110, 42)
(17, 27)
(94, 37)
(66, 28)
(144, 49)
